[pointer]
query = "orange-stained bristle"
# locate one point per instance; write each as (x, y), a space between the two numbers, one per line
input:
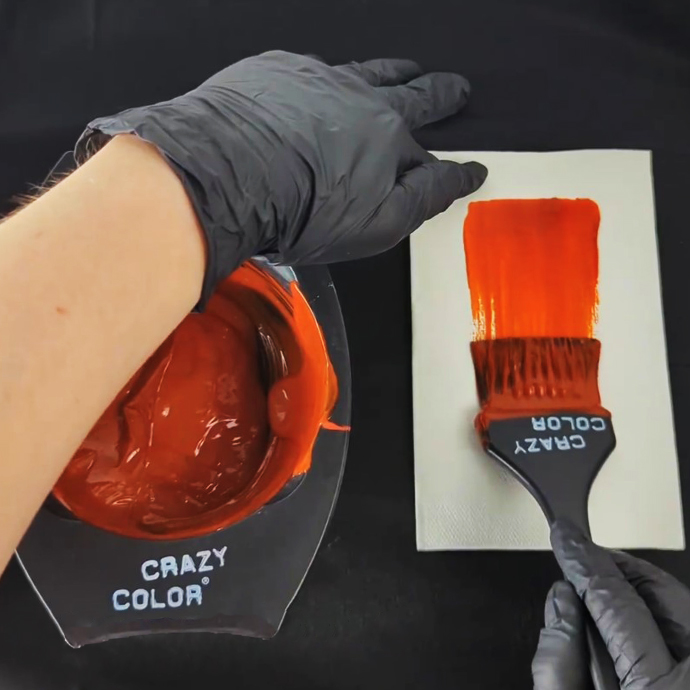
(531, 376)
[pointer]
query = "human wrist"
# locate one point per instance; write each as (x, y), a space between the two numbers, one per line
(227, 243)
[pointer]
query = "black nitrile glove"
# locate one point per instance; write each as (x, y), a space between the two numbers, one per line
(285, 156)
(561, 659)
(642, 613)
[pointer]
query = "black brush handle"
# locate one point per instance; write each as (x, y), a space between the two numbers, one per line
(557, 457)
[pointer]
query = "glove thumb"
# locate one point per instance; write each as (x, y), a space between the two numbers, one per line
(561, 659)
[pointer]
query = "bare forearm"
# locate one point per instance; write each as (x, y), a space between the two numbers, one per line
(93, 276)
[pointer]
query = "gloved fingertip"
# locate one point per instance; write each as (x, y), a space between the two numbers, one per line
(580, 559)
(565, 534)
(560, 662)
(407, 69)
(449, 80)
(550, 609)
(562, 603)
(572, 550)
(461, 179)
(477, 174)
(452, 90)
(464, 84)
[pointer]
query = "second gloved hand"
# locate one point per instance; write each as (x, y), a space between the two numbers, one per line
(642, 613)
(285, 156)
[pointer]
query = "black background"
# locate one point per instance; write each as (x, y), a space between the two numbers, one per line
(547, 74)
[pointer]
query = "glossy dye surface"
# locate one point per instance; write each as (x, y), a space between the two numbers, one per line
(533, 267)
(214, 424)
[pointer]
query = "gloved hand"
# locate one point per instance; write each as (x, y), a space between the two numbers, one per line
(285, 156)
(642, 613)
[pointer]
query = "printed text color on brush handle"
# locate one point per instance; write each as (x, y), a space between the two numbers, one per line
(527, 442)
(563, 433)
(557, 465)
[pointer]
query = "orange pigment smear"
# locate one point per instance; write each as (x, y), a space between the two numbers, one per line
(533, 267)
(532, 270)
(214, 424)
(332, 426)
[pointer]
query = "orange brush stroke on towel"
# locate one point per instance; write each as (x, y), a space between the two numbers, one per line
(533, 267)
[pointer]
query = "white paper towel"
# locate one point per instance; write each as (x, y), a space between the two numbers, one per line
(464, 499)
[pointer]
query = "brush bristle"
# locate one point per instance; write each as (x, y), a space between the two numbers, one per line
(524, 376)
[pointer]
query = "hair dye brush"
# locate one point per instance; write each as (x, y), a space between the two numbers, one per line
(532, 268)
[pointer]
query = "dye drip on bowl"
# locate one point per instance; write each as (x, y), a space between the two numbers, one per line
(214, 424)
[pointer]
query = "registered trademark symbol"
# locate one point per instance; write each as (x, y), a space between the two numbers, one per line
(204, 580)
